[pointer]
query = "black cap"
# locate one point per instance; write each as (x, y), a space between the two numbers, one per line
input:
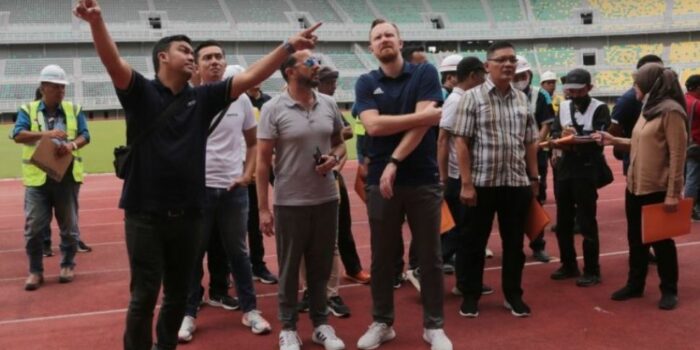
(693, 82)
(327, 72)
(577, 78)
(468, 65)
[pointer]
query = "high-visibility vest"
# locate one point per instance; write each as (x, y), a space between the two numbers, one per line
(33, 176)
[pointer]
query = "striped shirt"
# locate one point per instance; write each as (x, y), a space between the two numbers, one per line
(498, 128)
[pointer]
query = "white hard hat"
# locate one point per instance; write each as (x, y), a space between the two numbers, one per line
(548, 76)
(233, 69)
(523, 65)
(53, 74)
(449, 64)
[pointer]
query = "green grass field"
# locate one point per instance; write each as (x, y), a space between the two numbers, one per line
(98, 156)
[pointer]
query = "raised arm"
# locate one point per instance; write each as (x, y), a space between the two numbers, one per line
(117, 68)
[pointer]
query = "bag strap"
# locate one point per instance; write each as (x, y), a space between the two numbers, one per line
(218, 119)
(167, 113)
(577, 126)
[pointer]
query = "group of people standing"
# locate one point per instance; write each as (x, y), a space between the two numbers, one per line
(197, 152)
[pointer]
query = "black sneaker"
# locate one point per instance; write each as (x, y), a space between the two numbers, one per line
(588, 280)
(337, 307)
(398, 280)
(563, 273)
(668, 301)
(486, 290)
(264, 276)
(224, 301)
(517, 307)
(626, 293)
(46, 250)
(541, 256)
(83, 248)
(303, 305)
(469, 308)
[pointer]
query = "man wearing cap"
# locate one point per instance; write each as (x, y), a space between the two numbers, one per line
(64, 123)
(228, 174)
(548, 82)
(577, 174)
(541, 108)
(470, 72)
(692, 169)
(448, 73)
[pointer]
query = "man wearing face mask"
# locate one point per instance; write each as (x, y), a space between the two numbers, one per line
(576, 178)
(540, 105)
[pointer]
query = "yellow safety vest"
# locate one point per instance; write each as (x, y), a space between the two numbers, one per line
(33, 176)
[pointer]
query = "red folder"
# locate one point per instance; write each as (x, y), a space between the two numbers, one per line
(657, 224)
(537, 220)
(447, 222)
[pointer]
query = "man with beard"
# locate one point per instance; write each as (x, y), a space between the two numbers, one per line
(303, 129)
(164, 185)
(397, 105)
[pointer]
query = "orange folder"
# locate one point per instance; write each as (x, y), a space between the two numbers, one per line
(537, 220)
(657, 224)
(568, 140)
(447, 222)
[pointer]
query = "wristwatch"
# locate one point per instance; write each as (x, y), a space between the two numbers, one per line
(288, 47)
(394, 161)
(535, 178)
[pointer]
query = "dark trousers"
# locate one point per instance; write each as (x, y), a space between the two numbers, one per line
(666, 256)
(576, 199)
(161, 249)
(420, 205)
(542, 166)
(453, 239)
(511, 204)
(255, 237)
(346, 242)
(218, 267)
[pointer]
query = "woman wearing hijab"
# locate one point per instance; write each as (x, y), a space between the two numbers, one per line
(657, 156)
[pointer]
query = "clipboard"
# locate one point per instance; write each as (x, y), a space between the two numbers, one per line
(45, 158)
(658, 225)
(537, 219)
(568, 140)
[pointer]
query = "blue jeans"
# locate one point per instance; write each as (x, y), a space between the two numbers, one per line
(47, 232)
(38, 204)
(226, 215)
(692, 178)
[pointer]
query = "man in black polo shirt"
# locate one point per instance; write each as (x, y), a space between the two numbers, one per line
(164, 190)
(397, 105)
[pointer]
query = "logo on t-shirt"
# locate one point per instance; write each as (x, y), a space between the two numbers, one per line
(378, 91)
(191, 103)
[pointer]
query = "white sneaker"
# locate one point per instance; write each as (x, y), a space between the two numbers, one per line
(377, 334)
(489, 253)
(187, 328)
(325, 335)
(413, 276)
(289, 340)
(256, 323)
(437, 339)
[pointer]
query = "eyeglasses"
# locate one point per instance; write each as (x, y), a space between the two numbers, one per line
(502, 60)
(311, 61)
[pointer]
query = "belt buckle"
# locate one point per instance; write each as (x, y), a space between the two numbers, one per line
(174, 213)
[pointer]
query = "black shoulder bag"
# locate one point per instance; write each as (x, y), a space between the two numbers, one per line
(121, 153)
(604, 175)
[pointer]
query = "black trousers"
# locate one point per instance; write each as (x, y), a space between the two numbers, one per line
(666, 256)
(346, 242)
(255, 237)
(453, 240)
(511, 204)
(161, 249)
(542, 166)
(576, 198)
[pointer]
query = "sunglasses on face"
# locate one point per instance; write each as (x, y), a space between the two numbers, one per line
(311, 61)
(502, 60)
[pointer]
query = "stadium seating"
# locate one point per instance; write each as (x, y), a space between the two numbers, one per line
(116, 11)
(273, 86)
(24, 92)
(478, 54)
(684, 7)
(685, 52)
(347, 61)
(687, 73)
(357, 10)
(406, 11)
(32, 67)
(629, 8)
(506, 10)
(93, 65)
(31, 12)
(556, 57)
(613, 80)
(203, 11)
(319, 9)
(630, 54)
(347, 83)
(548, 10)
(252, 11)
(98, 89)
(461, 10)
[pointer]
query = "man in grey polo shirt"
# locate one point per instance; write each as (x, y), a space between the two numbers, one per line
(303, 128)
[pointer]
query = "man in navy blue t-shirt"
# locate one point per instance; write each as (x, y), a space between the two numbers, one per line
(163, 193)
(397, 105)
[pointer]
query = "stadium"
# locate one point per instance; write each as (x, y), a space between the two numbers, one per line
(606, 37)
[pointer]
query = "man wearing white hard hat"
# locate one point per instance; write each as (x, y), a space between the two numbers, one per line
(541, 108)
(229, 170)
(62, 122)
(448, 73)
(548, 82)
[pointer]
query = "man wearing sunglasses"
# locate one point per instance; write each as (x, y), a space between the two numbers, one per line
(303, 129)
(497, 155)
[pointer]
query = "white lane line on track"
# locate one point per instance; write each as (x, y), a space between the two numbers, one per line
(266, 295)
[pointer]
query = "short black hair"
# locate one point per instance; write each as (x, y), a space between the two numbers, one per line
(204, 44)
(379, 21)
(408, 51)
(445, 75)
(289, 63)
(163, 45)
(497, 46)
(693, 82)
(649, 59)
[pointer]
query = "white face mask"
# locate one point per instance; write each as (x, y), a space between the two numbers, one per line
(521, 85)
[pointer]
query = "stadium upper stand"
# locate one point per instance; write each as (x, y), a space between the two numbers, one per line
(319, 10)
(630, 8)
(556, 56)
(252, 11)
(685, 52)
(684, 7)
(30, 12)
(464, 11)
(31, 67)
(405, 11)
(549, 10)
(123, 11)
(629, 54)
(204, 11)
(506, 10)
(358, 11)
